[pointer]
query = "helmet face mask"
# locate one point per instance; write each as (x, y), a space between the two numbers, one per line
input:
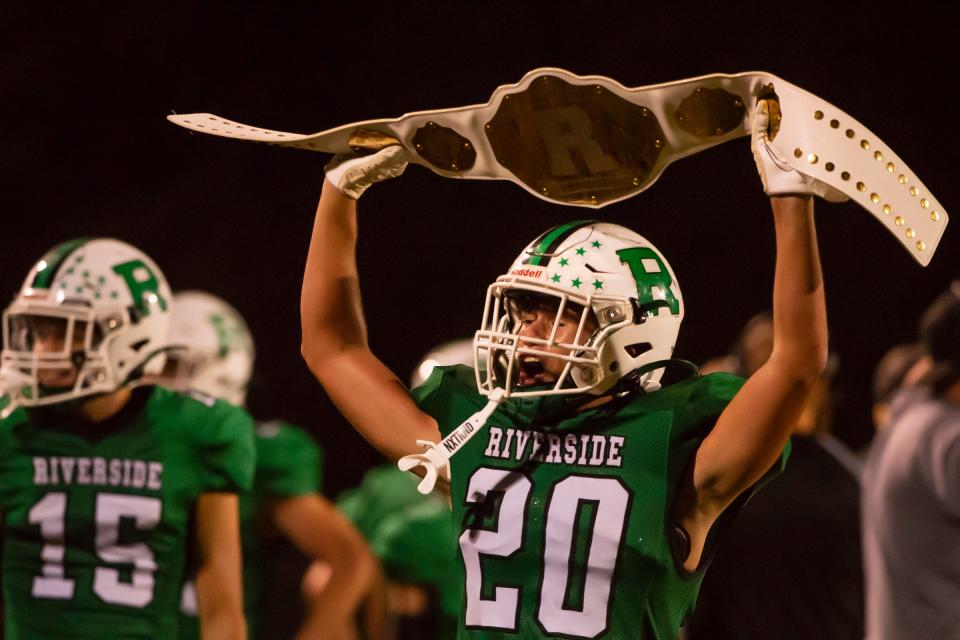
(542, 364)
(52, 348)
(618, 306)
(90, 318)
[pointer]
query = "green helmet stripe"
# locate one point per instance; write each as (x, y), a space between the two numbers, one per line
(54, 259)
(549, 241)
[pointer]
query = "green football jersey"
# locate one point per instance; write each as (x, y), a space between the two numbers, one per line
(288, 464)
(565, 523)
(411, 534)
(96, 516)
(383, 491)
(419, 546)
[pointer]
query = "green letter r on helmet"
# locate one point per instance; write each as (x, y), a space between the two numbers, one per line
(651, 275)
(140, 280)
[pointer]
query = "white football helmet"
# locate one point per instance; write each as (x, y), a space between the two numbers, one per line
(213, 348)
(445, 354)
(624, 292)
(92, 316)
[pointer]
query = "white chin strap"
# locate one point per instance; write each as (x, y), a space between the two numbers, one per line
(435, 459)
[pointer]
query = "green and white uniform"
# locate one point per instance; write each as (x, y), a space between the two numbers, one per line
(97, 516)
(564, 523)
(288, 465)
(410, 533)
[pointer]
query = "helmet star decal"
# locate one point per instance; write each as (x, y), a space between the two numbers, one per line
(613, 279)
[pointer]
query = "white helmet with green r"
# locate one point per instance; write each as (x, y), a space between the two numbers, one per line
(97, 307)
(212, 348)
(629, 304)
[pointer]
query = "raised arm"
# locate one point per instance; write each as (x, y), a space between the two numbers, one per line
(753, 429)
(334, 340)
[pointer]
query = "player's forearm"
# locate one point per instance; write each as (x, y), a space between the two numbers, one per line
(333, 614)
(221, 610)
(336, 607)
(219, 577)
(223, 625)
(321, 532)
(330, 308)
(752, 431)
(799, 311)
(376, 623)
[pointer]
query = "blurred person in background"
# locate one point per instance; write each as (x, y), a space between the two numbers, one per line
(750, 350)
(411, 534)
(414, 538)
(911, 494)
(902, 366)
(106, 478)
(790, 564)
(213, 354)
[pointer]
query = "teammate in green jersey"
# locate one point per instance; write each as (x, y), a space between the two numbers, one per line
(411, 534)
(414, 539)
(214, 354)
(101, 477)
(587, 497)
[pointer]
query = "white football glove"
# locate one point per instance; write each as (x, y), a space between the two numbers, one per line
(352, 175)
(778, 177)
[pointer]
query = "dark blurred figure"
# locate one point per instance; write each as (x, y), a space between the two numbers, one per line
(750, 350)
(898, 368)
(911, 495)
(789, 566)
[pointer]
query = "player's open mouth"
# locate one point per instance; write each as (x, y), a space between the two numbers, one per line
(532, 372)
(56, 377)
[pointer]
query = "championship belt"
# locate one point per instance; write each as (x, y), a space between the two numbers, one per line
(589, 141)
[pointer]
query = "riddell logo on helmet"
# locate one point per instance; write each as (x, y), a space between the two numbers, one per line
(527, 273)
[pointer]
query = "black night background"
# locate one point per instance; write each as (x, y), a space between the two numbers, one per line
(87, 151)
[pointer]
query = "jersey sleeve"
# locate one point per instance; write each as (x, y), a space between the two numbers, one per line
(697, 410)
(427, 396)
(384, 490)
(288, 461)
(449, 395)
(417, 543)
(712, 398)
(708, 397)
(226, 449)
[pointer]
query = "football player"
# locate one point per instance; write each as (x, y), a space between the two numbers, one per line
(102, 476)
(410, 533)
(414, 539)
(214, 354)
(590, 501)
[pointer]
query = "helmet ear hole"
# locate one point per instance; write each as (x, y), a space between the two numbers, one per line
(637, 349)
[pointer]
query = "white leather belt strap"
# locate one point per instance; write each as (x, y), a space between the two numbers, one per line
(590, 141)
